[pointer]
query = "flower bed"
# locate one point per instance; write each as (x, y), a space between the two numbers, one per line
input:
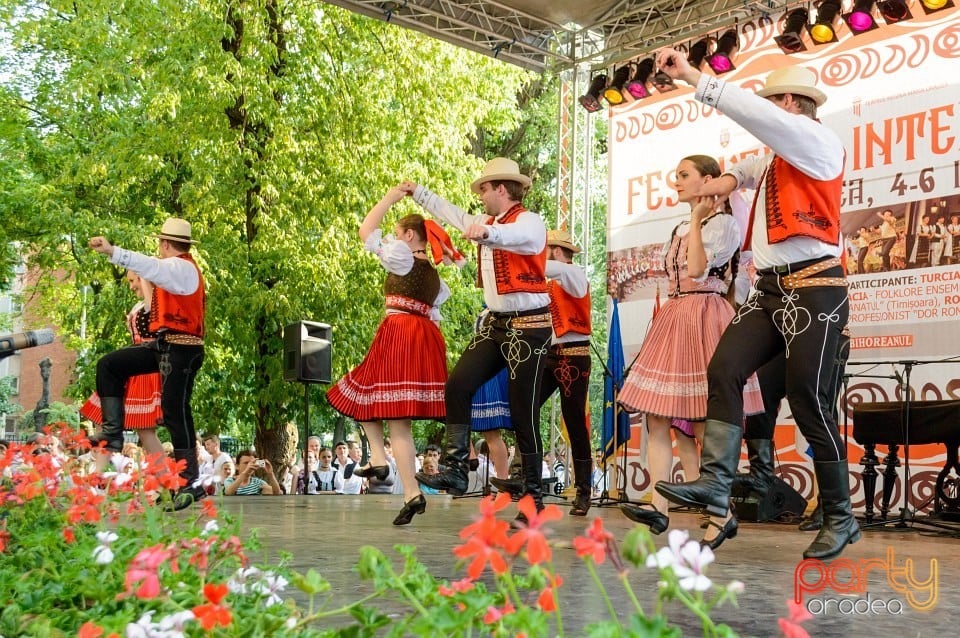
(91, 554)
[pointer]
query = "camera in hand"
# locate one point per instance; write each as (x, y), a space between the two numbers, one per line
(261, 463)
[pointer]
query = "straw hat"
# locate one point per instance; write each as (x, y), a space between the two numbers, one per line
(793, 79)
(175, 229)
(563, 239)
(500, 169)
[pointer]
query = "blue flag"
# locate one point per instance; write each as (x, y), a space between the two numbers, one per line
(616, 422)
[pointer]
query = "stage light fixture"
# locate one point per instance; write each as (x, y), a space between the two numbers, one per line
(822, 31)
(727, 47)
(636, 88)
(612, 94)
(591, 99)
(791, 40)
(860, 19)
(932, 6)
(698, 52)
(663, 83)
(894, 10)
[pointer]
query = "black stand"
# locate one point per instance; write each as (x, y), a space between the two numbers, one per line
(605, 500)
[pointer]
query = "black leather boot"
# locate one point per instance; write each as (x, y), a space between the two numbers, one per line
(718, 464)
(815, 521)
(111, 430)
(454, 479)
(761, 474)
(532, 484)
(189, 493)
(582, 473)
(839, 528)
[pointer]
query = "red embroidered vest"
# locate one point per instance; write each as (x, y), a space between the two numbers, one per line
(798, 205)
(568, 313)
(514, 272)
(179, 313)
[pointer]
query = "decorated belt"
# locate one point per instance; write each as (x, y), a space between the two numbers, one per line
(532, 321)
(181, 339)
(573, 351)
(406, 304)
(805, 279)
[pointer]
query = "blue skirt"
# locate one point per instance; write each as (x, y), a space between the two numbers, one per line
(491, 407)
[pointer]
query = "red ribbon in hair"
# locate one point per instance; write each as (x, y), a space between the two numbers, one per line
(441, 248)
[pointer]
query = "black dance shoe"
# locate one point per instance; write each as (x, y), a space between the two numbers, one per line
(656, 520)
(381, 472)
(416, 505)
(729, 530)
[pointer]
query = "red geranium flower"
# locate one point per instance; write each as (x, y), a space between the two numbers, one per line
(531, 535)
(791, 626)
(213, 614)
(595, 543)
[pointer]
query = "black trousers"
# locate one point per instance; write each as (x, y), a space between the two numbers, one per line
(571, 374)
(805, 325)
(523, 351)
(773, 388)
(177, 365)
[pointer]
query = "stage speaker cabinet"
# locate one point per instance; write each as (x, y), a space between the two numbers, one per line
(307, 352)
(780, 500)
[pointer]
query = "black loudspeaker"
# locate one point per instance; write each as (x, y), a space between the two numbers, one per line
(307, 352)
(780, 500)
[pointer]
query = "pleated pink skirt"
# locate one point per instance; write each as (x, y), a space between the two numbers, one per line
(669, 377)
(402, 376)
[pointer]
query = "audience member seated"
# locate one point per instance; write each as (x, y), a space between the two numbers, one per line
(431, 465)
(245, 483)
(345, 481)
(211, 443)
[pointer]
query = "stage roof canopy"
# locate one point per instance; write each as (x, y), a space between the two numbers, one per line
(553, 35)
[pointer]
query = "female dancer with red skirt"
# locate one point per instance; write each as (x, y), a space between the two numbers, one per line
(403, 375)
(141, 400)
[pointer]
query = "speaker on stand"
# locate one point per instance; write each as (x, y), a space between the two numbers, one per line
(307, 358)
(777, 501)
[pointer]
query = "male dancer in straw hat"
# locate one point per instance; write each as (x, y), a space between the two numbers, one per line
(800, 307)
(512, 262)
(569, 362)
(176, 318)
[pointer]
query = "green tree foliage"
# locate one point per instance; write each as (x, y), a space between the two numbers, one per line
(271, 125)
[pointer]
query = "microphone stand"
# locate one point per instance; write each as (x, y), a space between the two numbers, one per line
(604, 499)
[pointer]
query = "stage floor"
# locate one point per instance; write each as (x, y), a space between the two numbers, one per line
(326, 532)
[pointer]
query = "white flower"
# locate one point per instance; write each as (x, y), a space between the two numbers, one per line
(106, 538)
(103, 555)
(175, 623)
(662, 559)
(210, 528)
(239, 581)
(736, 587)
(270, 585)
(290, 623)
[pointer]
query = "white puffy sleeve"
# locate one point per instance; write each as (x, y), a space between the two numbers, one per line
(395, 256)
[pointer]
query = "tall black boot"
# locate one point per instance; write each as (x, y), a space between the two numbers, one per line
(582, 474)
(191, 492)
(839, 528)
(532, 484)
(111, 430)
(761, 474)
(454, 478)
(718, 464)
(815, 521)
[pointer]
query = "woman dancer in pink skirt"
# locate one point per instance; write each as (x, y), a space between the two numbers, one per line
(668, 381)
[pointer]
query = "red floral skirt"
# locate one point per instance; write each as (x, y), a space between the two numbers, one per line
(141, 404)
(402, 376)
